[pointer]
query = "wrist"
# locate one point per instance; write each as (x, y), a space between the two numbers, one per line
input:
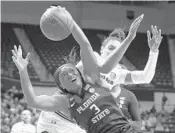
(129, 38)
(23, 70)
(154, 51)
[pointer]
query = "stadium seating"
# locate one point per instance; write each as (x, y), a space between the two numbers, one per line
(52, 53)
(9, 39)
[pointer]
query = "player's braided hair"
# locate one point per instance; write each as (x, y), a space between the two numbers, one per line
(71, 60)
(72, 56)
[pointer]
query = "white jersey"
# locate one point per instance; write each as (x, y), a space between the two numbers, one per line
(115, 77)
(52, 122)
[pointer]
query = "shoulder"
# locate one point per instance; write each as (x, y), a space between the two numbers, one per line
(128, 93)
(61, 100)
(17, 124)
(132, 97)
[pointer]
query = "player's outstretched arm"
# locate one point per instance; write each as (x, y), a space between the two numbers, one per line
(146, 76)
(48, 103)
(112, 60)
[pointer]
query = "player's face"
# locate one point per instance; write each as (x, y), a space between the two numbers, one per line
(71, 80)
(110, 45)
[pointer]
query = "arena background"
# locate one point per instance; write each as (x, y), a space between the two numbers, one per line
(20, 26)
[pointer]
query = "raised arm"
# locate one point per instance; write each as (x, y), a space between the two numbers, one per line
(90, 65)
(89, 61)
(112, 60)
(146, 76)
(47, 103)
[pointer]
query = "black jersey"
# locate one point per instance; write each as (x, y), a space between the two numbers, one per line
(97, 112)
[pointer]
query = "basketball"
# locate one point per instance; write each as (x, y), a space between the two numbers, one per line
(56, 23)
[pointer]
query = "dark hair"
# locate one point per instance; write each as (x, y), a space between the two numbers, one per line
(44, 132)
(118, 33)
(72, 57)
(71, 60)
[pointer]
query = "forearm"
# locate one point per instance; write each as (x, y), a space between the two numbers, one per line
(148, 73)
(113, 59)
(27, 87)
(79, 36)
(89, 61)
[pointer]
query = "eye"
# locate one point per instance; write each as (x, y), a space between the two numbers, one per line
(111, 47)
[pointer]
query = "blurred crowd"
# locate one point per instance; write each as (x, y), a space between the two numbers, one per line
(13, 104)
(153, 120)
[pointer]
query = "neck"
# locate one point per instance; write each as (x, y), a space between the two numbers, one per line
(84, 87)
(25, 122)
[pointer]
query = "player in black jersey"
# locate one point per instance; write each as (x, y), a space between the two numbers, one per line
(92, 100)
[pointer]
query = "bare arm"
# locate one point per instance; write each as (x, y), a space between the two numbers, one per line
(89, 61)
(134, 112)
(48, 103)
(112, 60)
(43, 102)
(90, 65)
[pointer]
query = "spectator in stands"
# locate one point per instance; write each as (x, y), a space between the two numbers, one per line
(143, 128)
(153, 109)
(173, 111)
(164, 100)
(25, 125)
(5, 127)
(152, 120)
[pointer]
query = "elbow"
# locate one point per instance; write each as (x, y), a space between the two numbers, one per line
(149, 77)
(147, 80)
(144, 80)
